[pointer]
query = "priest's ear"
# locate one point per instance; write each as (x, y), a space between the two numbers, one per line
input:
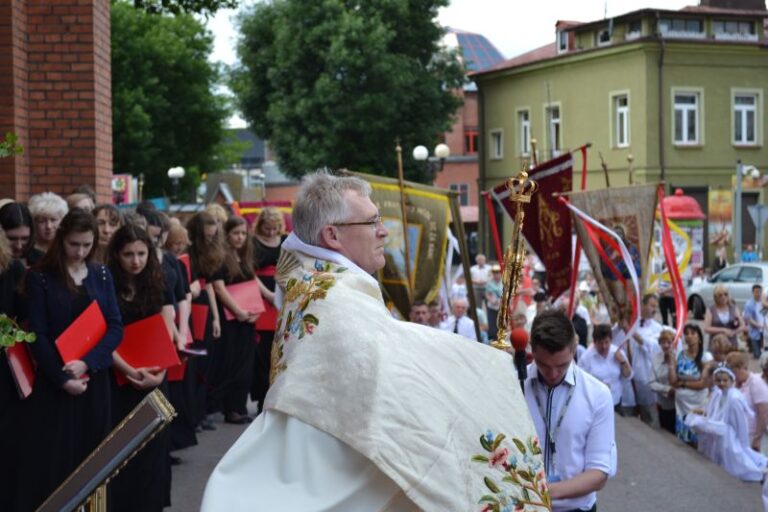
(329, 238)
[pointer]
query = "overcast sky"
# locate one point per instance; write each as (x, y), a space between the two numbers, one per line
(512, 28)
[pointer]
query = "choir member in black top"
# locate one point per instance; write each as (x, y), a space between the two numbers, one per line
(145, 482)
(68, 413)
(16, 221)
(231, 366)
(11, 274)
(109, 220)
(206, 256)
(268, 235)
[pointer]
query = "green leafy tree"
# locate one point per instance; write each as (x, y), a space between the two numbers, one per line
(165, 110)
(335, 82)
(205, 7)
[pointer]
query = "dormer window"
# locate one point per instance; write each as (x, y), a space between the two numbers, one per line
(691, 29)
(634, 29)
(562, 42)
(734, 30)
(603, 37)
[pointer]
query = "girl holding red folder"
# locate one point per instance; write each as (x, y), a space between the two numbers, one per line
(231, 369)
(68, 412)
(145, 482)
(268, 235)
(11, 274)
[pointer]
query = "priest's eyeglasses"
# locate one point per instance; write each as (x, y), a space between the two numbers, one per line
(375, 223)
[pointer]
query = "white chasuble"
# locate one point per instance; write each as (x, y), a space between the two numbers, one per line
(442, 421)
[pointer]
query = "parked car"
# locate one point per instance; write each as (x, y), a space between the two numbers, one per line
(737, 278)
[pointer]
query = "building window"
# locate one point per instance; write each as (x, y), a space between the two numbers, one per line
(471, 140)
(621, 120)
(745, 118)
(497, 144)
(463, 190)
(553, 130)
(670, 27)
(562, 42)
(603, 37)
(734, 30)
(686, 118)
(524, 122)
(634, 29)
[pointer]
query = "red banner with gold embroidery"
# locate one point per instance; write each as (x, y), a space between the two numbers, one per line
(547, 225)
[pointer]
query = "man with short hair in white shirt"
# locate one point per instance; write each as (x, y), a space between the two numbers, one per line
(606, 362)
(480, 273)
(573, 415)
(459, 322)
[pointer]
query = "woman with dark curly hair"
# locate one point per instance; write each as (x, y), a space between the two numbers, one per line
(145, 482)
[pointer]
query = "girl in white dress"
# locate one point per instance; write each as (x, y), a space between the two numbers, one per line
(723, 432)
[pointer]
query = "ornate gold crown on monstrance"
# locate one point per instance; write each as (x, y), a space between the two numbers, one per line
(521, 190)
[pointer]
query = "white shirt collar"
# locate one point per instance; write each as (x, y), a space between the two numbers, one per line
(294, 243)
(570, 374)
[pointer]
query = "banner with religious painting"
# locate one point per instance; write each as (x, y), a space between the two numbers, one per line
(250, 210)
(428, 217)
(547, 226)
(629, 212)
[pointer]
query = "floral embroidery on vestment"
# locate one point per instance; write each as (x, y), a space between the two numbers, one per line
(518, 478)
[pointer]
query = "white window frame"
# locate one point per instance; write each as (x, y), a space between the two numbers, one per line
(562, 41)
(524, 131)
(634, 34)
(757, 111)
(683, 34)
(496, 143)
(598, 37)
(721, 34)
(698, 108)
(619, 116)
(462, 190)
(554, 138)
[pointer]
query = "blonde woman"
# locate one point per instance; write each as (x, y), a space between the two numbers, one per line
(268, 235)
(723, 317)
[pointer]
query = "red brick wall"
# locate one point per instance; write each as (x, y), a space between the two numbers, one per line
(62, 97)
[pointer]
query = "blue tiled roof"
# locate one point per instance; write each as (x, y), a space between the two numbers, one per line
(478, 52)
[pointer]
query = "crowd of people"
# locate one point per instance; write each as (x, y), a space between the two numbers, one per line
(59, 255)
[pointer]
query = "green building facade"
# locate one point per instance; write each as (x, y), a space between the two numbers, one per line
(673, 96)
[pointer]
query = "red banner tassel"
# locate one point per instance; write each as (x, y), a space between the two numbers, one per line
(678, 290)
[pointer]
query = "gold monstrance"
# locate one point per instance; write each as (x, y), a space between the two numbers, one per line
(521, 189)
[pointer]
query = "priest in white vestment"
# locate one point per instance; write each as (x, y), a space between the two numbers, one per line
(367, 412)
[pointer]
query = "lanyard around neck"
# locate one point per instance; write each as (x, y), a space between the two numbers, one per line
(552, 431)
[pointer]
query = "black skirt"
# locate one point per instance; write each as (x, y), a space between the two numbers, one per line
(230, 369)
(145, 482)
(56, 432)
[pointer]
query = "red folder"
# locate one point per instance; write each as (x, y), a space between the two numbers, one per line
(176, 373)
(247, 295)
(184, 258)
(83, 334)
(146, 343)
(198, 321)
(22, 368)
(267, 321)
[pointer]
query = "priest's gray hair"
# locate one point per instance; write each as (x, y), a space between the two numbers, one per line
(320, 202)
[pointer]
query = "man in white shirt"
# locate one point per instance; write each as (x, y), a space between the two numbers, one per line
(637, 395)
(606, 362)
(459, 322)
(480, 274)
(573, 415)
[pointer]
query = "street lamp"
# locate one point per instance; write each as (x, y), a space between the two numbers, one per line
(436, 163)
(741, 171)
(176, 174)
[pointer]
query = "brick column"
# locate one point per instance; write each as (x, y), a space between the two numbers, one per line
(62, 96)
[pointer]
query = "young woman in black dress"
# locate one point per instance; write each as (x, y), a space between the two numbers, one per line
(268, 235)
(145, 482)
(231, 369)
(11, 274)
(68, 413)
(206, 255)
